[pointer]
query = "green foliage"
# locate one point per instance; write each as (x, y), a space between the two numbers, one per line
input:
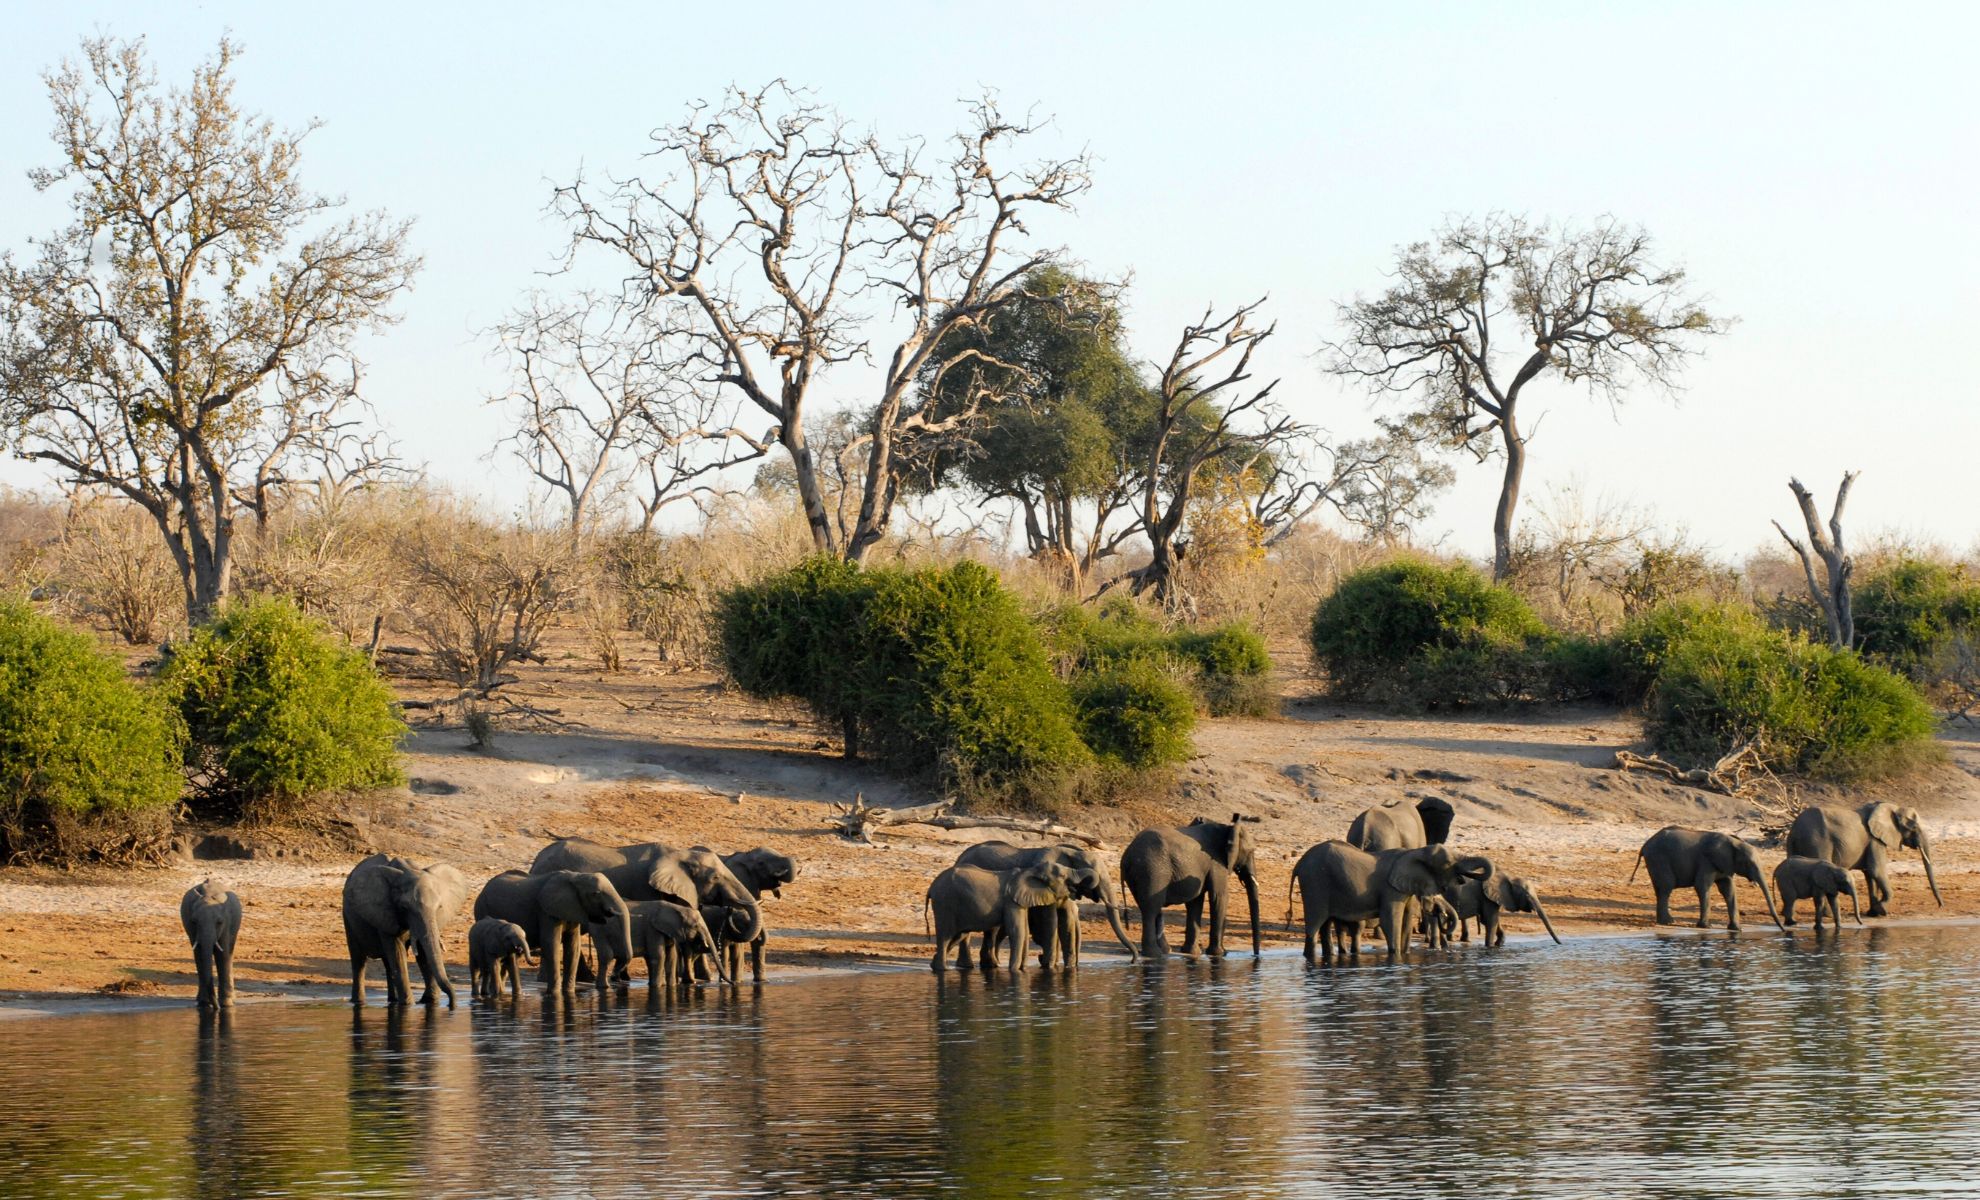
(80, 744)
(1908, 613)
(277, 710)
(1416, 634)
(1806, 706)
(1135, 713)
(933, 670)
(1639, 650)
(1227, 666)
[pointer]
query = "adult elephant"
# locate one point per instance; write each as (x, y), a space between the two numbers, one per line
(1398, 826)
(966, 900)
(759, 870)
(696, 877)
(1485, 900)
(1862, 839)
(1342, 884)
(1063, 922)
(1700, 859)
(390, 904)
(1187, 866)
(556, 908)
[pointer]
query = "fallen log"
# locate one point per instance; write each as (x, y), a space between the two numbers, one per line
(859, 821)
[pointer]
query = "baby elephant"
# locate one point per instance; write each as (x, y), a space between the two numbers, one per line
(496, 948)
(211, 916)
(1819, 881)
(669, 937)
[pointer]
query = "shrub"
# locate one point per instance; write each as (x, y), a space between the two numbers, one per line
(1135, 713)
(1639, 649)
(90, 759)
(1416, 634)
(1227, 667)
(277, 710)
(934, 669)
(1806, 707)
(1907, 613)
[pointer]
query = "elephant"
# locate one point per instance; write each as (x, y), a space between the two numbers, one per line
(668, 936)
(1438, 923)
(1186, 866)
(1485, 899)
(496, 948)
(1699, 858)
(697, 877)
(966, 900)
(1862, 839)
(760, 870)
(1821, 881)
(1399, 826)
(1341, 883)
(211, 917)
(389, 904)
(554, 909)
(1002, 856)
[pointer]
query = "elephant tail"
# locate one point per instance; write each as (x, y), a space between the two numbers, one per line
(1291, 883)
(1634, 865)
(924, 916)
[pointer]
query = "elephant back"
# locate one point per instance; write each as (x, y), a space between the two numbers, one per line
(368, 892)
(577, 854)
(996, 855)
(1825, 833)
(510, 896)
(1390, 827)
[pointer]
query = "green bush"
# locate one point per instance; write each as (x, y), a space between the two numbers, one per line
(1135, 713)
(1227, 667)
(1807, 707)
(1418, 635)
(89, 758)
(277, 710)
(933, 670)
(1638, 650)
(1907, 614)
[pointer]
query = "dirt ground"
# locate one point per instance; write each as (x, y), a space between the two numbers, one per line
(653, 755)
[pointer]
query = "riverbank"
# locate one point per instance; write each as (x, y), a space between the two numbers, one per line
(674, 757)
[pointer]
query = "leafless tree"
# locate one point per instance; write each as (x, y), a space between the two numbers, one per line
(1486, 307)
(187, 341)
(772, 229)
(598, 409)
(1380, 485)
(1831, 594)
(1203, 415)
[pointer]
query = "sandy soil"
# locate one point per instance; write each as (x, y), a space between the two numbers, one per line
(674, 757)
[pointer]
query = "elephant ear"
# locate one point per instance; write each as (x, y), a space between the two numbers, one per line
(1882, 827)
(672, 881)
(1411, 876)
(1032, 887)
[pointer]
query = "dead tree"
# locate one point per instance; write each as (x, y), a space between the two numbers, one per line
(1198, 420)
(771, 229)
(1831, 594)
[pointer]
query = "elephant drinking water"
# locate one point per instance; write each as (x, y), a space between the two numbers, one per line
(390, 904)
(1002, 856)
(1188, 866)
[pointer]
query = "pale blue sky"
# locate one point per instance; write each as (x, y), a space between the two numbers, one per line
(1813, 165)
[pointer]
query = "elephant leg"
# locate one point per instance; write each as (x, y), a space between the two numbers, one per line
(1879, 884)
(1395, 927)
(1192, 917)
(398, 989)
(986, 957)
(203, 963)
(1153, 944)
(1704, 889)
(1353, 931)
(359, 960)
(550, 956)
(1789, 897)
(1312, 936)
(1732, 902)
(225, 955)
(573, 947)
(1219, 915)
(756, 959)
(1664, 907)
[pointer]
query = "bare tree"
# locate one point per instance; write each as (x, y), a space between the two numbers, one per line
(1380, 485)
(599, 409)
(1587, 306)
(162, 346)
(1831, 595)
(771, 226)
(1200, 419)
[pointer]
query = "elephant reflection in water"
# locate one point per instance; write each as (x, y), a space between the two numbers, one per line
(391, 1089)
(213, 1139)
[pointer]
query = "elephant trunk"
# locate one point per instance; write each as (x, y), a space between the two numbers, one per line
(748, 932)
(1768, 896)
(1250, 883)
(1540, 910)
(433, 966)
(1925, 856)
(1854, 910)
(1113, 902)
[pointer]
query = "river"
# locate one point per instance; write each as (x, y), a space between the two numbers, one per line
(1673, 1065)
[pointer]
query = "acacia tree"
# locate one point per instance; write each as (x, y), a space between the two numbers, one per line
(187, 340)
(599, 410)
(1487, 307)
(771, 230)
(1831, 594)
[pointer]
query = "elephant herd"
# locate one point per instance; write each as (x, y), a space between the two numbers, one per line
(687, 911)
(681, 910)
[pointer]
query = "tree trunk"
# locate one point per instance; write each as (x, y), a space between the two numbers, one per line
(1502, 518)
(792, 436)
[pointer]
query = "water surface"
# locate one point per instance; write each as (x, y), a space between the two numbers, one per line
(1700, 1066)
